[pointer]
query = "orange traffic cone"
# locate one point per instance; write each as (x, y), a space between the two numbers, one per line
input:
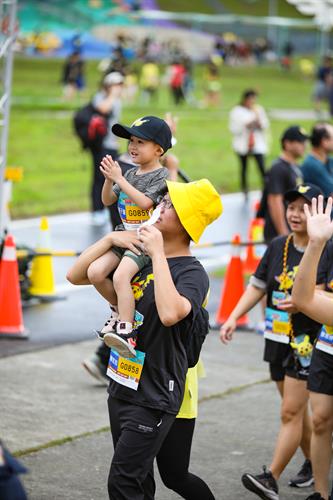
(233, 287)
(11, 319)
(255, 234)
(253, 256)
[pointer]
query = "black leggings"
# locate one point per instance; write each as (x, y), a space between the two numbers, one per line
(173, 461)
(243, 162)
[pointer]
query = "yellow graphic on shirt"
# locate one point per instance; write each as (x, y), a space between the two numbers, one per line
(287, 280)
(138, 286)
(330, 285)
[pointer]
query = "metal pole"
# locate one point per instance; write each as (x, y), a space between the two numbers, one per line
(8, 16)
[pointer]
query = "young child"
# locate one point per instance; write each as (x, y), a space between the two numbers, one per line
(136, 193)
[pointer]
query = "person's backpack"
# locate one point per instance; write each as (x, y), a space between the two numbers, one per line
(90, 126)
(196, 336)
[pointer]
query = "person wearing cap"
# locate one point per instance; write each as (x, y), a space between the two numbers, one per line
(136, 193)
(285, 330)
(96, 365)
(106, 101)
(283, 176)
(169, 292)
(319, 306)
(317, 167)
(248, 124)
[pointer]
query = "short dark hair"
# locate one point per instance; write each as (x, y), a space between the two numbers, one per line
(248, 93)
(318, 133)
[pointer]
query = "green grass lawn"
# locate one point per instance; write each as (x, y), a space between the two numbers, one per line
(57, 173)
(242, 7)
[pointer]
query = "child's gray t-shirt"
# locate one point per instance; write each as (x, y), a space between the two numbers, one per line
(151, 184)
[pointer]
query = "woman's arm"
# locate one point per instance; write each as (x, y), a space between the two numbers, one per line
(171, 306)
(77, 274)
(249, 299)
(320, 229)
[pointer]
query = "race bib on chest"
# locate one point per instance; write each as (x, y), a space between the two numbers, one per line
(325, 340)
(277, 326)
(125, 371)
(131, 215)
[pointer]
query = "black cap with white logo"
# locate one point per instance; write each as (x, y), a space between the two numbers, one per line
(295, 133)
(150, 128)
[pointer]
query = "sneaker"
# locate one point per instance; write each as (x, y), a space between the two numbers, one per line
(96, 369)
(123, 340)
(263, 485)
(110, 326)
(315, 496)
(304, 477)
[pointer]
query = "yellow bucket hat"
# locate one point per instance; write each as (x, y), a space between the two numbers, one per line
(197, 205)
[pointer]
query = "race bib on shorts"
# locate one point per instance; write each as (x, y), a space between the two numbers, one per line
(131, 215)
(277, 326)
(126, 371)
(325, 339)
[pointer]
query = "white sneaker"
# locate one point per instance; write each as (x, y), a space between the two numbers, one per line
(123, 340)
(109, 326)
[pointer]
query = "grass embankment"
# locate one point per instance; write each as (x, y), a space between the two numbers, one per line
(57, 173)
(241, 7)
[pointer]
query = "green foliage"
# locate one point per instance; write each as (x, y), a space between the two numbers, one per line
(57, 173)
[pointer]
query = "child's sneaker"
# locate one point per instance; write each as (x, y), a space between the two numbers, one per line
(109, 326)
(123, 340)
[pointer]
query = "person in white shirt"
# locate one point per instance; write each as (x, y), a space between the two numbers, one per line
(248, 123)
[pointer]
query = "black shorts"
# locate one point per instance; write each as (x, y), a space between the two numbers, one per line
(321, 373)
(299, 373)
(277, 372)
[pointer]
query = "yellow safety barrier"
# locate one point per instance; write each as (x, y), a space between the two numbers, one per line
(14, 174)
(41, 276)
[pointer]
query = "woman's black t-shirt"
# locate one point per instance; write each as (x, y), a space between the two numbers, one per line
(162, 381)
(270, 272)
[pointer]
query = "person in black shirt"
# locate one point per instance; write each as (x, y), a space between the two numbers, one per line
(285, 329)
(283, 176)
(145, 392)
(320, 308)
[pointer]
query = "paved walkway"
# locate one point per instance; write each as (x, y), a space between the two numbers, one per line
(55, 415)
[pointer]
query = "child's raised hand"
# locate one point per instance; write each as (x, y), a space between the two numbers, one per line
(319, 224)
(110, 169)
